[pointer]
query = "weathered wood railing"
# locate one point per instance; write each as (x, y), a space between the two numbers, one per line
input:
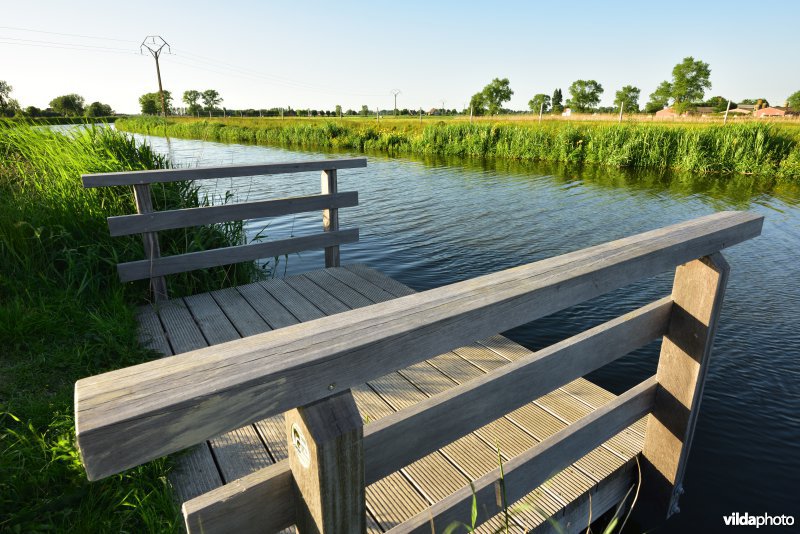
(149, 222)
(132, 415)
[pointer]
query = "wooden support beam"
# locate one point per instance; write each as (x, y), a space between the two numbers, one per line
(682, 367)
(152, 249)
(330, 217)
(326, 456)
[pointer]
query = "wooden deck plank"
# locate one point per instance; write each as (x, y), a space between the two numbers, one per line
(150, 332)
(244, 317)
(338, 289)
(238, 452)
(380, 280)
(323, 300)
(195, 471)
(290, 299)
(266, 306)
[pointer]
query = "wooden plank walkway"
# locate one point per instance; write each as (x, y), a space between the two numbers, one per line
(606, 473)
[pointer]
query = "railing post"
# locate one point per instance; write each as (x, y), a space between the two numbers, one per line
(330, 218)
(152, 250)
(326, 456)
(697, 294)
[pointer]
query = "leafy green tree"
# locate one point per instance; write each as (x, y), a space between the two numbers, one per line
(719, 103)
(211, 99)
(478, 104)
(756, 102)
(690, 79)
(585, 95)
(535, 103)
(557, 101)
(659, 99)
(151, 102)
(794, 100)
(629, 95)
(97, 109)
(32, 111)
(70, 105)
(364, 110)
(8, 105)
(338, 110)
(496, 93)
(192, 99)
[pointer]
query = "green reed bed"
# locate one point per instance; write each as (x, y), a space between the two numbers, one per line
(64, 315)
(763, 149)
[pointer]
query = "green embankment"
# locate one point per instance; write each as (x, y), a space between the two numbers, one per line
(64, 315)
(750, 148)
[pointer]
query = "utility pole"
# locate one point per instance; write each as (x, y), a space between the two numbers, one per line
(621, 109)
(442, 107)
(725, 121)
(155, 44)
(395, 92)
(541, 110)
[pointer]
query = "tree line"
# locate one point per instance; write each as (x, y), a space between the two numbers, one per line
(71, 105)
(684, 93)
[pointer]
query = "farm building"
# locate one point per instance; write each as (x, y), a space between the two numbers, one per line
(775, 111)
(666, 113)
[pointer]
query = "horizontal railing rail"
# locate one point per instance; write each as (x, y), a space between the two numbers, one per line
(224, 171)
(170, 404)
(171, 219)
(179, 263)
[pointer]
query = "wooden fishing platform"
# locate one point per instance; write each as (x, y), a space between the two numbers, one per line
(182, 325)
(340, 400)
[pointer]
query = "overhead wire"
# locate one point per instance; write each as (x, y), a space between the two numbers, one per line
(191, 60)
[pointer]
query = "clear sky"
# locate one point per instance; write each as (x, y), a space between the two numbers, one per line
(262, 54)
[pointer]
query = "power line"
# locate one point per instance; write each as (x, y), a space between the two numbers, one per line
(68, 46)
(67, 34)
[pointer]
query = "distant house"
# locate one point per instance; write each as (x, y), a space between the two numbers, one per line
(567, 113)
(741, 111)
(746, 107)
(435, 111)
(666, 113)
(704, 110)
(775, 111)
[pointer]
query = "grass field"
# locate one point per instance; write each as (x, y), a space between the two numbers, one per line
(64, 315)
(768, 149)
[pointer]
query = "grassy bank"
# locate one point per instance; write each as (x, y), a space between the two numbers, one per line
(768, 150)
(64, 315)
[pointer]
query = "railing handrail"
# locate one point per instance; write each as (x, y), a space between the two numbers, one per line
(167, 405)
(218, 171)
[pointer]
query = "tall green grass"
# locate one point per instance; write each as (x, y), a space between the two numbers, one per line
(748, 148)
(64, 315)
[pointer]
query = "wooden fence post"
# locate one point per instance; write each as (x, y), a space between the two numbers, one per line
(697, 294)
(152, 250)
(330, 218)
(326, 456)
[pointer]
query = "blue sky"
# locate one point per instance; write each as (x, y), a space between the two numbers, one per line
(319, 54)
